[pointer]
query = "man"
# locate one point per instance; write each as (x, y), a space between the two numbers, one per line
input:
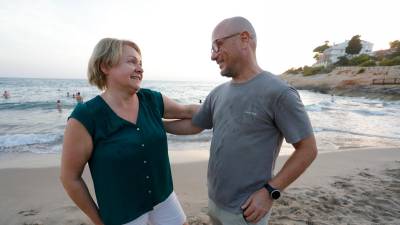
(78, 97)
(6, 95)
(249, 115)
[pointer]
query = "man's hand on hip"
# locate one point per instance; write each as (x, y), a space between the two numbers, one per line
(257, 206)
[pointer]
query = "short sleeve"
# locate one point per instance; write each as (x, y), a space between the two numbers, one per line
(203, 118)
(155, 99)
(82, 114)
(291, 117)
(159, 102)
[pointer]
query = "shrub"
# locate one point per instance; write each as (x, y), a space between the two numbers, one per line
(294, 71)
(390, 62)
(343, 61)
(368, 63)
(359, 60)
(308, 71)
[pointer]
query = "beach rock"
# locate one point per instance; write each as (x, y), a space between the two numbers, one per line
(348, 81)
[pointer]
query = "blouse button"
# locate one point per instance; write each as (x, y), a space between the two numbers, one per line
(144, 161)
(149, 191)
(142, 145)
(147, 177)
(138, 129)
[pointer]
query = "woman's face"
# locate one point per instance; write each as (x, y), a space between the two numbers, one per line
(128, 73)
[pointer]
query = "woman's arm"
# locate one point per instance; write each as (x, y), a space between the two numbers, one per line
(77, 149)
(181, 127)
(174, 110)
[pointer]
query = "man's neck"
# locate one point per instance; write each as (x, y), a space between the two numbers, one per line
(246, 75)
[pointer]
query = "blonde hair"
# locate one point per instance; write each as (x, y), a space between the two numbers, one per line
(107, 53)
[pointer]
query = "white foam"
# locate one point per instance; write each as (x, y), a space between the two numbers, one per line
(12, 140)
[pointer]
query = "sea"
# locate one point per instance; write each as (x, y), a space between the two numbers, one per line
(31, 122)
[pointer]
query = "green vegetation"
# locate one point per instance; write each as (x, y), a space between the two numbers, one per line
(354, 47)
(389, 57)
(395, 44)
(390, 62)
(368, 63)
(320, 49)
(343, 61)
(362, 70)
(294, 71)
(308, 71)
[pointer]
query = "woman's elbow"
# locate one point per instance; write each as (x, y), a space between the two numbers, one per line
(313, 153)
(65, 181)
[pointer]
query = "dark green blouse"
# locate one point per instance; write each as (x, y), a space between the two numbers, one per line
(129, 163)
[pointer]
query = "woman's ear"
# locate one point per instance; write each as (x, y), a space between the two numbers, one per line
(105, 69)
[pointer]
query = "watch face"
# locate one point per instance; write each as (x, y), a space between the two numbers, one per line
(275, 194)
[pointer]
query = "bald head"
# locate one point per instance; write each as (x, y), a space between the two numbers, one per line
(231, 26)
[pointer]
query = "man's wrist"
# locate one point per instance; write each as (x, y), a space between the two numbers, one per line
(273, 192)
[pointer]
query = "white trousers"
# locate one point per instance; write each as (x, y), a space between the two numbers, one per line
(168, 212)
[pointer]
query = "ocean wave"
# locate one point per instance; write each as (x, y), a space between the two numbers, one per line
(313, 108)
(356, 133)
(369, 112)
(317, 129)
(318, 107)
(34, 105)
(205, 136)
(14, 140)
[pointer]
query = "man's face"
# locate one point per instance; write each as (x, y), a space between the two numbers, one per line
(223, 51)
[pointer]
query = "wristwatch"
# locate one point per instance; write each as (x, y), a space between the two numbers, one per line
(273, 192)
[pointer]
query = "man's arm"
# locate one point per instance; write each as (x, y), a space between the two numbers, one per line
(304, 154)
(259, 203)
(181, 127)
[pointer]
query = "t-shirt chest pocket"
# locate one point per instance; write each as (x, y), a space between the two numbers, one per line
(249, 118)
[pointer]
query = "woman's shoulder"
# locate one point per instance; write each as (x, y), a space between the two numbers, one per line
(149, 94)
(91, 106)
(147, 91)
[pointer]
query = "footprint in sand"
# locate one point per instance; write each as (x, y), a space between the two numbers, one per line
(34, 223)
(31, 212)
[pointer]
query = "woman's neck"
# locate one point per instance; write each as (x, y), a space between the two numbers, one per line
(119, 98)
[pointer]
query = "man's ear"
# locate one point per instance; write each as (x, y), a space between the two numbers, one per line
(245, 36)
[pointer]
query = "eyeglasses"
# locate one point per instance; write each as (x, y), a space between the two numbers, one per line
(216, 45)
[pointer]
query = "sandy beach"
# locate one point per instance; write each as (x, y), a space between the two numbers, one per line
(349, 187)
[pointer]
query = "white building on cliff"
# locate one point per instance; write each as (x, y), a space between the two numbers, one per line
(332, 54)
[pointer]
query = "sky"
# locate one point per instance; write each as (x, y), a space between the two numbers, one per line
(54, 38)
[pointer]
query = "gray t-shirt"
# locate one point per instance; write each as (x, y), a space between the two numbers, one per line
(249, 122)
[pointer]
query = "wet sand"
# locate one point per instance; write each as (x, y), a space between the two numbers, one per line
(350, 187)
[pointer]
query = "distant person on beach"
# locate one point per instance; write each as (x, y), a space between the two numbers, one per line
(67, 94)
(120, 134)
(250, 115)
(58, 105)
(79, 98)
(6, 95)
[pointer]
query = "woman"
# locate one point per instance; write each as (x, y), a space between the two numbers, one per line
(121, 136)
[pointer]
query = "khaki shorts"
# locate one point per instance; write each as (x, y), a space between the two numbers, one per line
(219, 216)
